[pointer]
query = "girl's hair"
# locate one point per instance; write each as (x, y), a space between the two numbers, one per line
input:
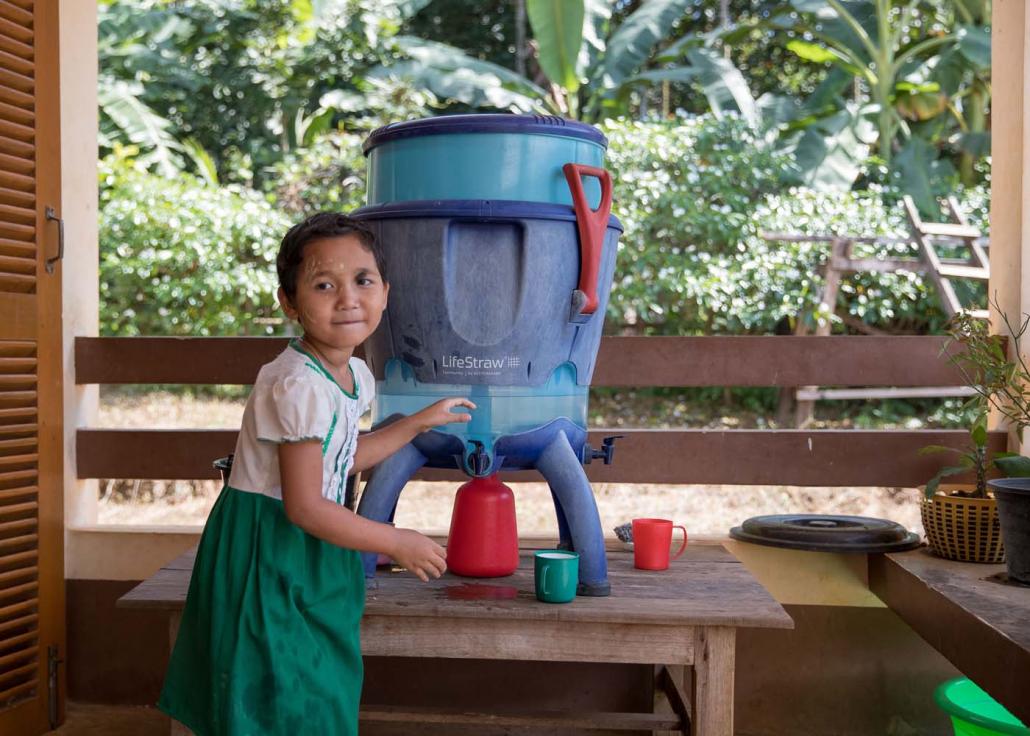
(317, 227)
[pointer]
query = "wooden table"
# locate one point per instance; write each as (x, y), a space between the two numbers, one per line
(965, 612)
(681, 619)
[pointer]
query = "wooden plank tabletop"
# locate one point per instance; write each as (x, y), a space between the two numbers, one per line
(979, 623)
(705, 587)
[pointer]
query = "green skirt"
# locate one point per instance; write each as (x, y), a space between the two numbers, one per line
(269, 641)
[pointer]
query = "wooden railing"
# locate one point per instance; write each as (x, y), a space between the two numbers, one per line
(735, 457)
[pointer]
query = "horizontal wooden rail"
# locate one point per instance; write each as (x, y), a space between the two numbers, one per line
(734, 457)
(622, 361)
(541, 721)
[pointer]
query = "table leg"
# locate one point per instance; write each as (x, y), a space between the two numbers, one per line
(176, 728)
(714, 655)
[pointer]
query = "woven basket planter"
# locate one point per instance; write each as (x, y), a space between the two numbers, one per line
(963, 529)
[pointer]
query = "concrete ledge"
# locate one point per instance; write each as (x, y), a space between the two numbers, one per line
(124, 552)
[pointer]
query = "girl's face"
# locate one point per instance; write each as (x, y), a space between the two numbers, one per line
(340, 295)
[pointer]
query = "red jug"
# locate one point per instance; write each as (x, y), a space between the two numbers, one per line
(483, 541)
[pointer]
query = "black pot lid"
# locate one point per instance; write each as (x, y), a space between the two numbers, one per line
(826, 533)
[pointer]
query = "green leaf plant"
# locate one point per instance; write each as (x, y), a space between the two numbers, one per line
(1001, 382)
(972, 458)
(590, 65)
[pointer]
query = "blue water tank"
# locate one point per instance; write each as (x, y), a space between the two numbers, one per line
(482, 305)
(497, 157)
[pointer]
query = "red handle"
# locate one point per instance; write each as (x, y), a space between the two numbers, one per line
(592, 225)
(683, 547)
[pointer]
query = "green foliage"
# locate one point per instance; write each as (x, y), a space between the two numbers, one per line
(986, 366)
(912, 76)
(587, 64)
(276, 96)
(244, 78)
(999, 381)
(924, 73)
(750, 42)
(125, 119)
(696, 195)
(972, 458)
(381, 101)
(942, 413)
(484, 29)
(976, 203)
(900, 301)
(684, 193)
(453, 75)
(180, 257)
(558, 28)
(327, 175)
(692, 195)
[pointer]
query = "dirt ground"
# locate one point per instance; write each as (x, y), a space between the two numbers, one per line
(704, 510)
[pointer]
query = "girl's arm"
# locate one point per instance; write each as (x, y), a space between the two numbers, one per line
(375, 447)
(300, 469)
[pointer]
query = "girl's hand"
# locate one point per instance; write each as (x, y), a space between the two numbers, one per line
(419, 554)
(440, 413)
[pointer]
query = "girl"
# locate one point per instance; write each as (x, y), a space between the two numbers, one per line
(268, 642)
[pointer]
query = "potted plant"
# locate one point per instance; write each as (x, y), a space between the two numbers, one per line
(961, 520)
(1005, 385)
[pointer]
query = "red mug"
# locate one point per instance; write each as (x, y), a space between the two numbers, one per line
(652, 539)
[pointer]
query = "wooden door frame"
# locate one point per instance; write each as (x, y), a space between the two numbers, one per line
(35, 715)
(51, 351)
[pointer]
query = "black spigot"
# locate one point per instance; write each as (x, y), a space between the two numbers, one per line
(478, 461)
(606, 453)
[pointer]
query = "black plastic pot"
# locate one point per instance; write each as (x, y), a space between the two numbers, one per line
(1013, 495)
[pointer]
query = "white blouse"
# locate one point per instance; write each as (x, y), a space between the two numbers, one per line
(296, 399)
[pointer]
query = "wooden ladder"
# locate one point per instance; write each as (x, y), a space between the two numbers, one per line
(842, 262)
(943, 270)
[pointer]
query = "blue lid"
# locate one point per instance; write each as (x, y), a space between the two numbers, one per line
(491, 123)
(474, 209)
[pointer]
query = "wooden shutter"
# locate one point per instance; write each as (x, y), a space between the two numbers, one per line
(31, 454)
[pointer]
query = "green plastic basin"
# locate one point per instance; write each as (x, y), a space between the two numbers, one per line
(975, 713)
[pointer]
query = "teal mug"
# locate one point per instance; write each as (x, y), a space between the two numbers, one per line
(556, 574)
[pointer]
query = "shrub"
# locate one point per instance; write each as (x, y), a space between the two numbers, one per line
(782, 280)
(181, 257)
(695, 194)
(903, 301)
(327, 175)
(685, 190)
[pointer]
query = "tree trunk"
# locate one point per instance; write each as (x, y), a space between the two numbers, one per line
(724, 22)
(520, 37)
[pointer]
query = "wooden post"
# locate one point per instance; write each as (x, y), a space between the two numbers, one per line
(840, 249)
(1009, 286)
(714, 667)
(80, 288)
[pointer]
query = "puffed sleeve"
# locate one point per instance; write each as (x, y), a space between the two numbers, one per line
(292, 409)
(366, 384)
